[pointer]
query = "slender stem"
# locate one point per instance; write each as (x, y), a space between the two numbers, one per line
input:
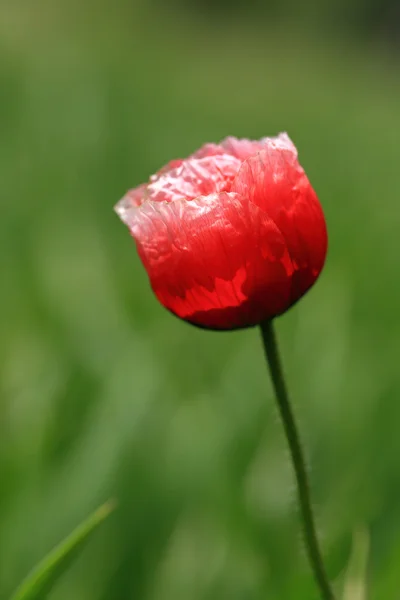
(292, 435)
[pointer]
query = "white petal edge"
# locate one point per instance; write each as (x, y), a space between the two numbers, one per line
(281, 141)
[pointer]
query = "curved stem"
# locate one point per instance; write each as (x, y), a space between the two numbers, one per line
(292, 435)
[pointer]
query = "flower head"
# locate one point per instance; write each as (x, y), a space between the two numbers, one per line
(230, 236)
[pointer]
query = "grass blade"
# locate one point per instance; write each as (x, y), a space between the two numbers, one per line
(355, 586)
(39, 582)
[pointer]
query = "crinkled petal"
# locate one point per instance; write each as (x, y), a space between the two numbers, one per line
(132, 199)
(217, 261)
(268, 179)
(241, 148)
(274, 181)
(244, 148)
(280, 142)
(182, 179)
(193, 178)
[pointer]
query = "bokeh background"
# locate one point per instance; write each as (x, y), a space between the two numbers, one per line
(103, 393)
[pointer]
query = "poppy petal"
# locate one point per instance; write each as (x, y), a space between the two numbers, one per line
(217, 261)
(275, 182)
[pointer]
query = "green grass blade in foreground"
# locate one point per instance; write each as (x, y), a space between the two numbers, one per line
(355, 586)
(41, 579)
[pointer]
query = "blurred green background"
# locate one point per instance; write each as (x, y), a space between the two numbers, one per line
(103, 393)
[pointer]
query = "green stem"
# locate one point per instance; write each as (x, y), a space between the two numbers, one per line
(292, 435)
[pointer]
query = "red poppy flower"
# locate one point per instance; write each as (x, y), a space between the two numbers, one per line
(230, 236)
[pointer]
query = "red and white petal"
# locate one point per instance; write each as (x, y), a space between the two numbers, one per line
(241, 148)
(193, 178)
(281, 142)
(268, 179)
(244, 148)
(274, 181)
(217, 261)
(131, 200)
